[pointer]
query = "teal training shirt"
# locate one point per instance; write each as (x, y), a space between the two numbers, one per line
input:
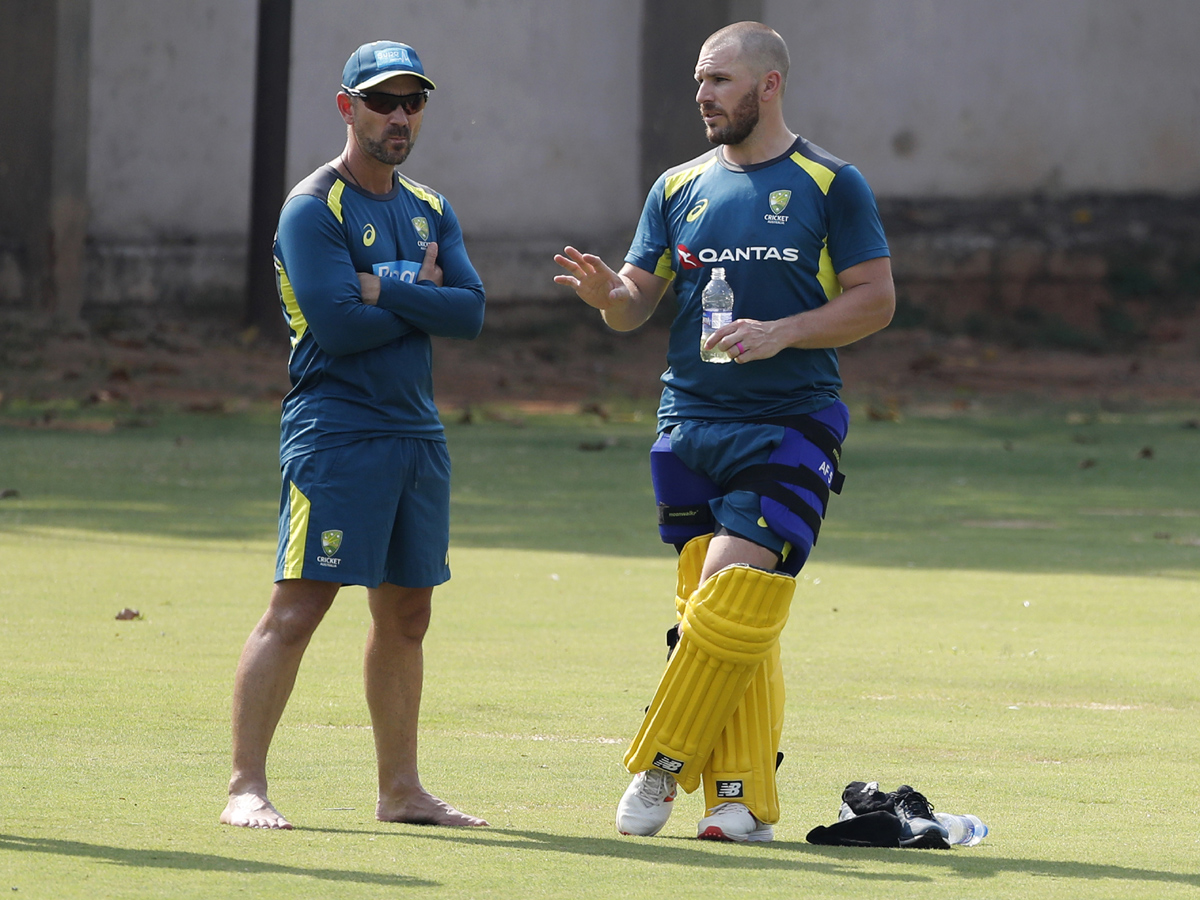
(782, 230)
(361, 371)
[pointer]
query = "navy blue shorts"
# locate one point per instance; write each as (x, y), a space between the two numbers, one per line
(714, 452)
(373, 511)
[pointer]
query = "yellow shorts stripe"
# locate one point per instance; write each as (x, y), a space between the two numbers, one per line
(299, 510)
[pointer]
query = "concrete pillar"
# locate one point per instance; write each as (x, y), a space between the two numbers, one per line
(69, 162)
(672, 32)
(44, 82)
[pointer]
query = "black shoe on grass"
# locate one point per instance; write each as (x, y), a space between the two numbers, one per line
(919, 829)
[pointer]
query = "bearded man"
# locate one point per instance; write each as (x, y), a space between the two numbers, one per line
(747, 453)
(369, 265)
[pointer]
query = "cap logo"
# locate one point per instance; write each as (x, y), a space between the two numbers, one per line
(390, 56)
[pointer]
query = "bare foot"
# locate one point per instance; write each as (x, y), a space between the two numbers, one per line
(424, 809)
(252, 811)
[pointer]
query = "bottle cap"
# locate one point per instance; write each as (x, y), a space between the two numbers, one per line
(718, 272)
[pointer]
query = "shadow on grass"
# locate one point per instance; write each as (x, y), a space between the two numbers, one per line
(1032, 494)
(199, 862)
(795, 857)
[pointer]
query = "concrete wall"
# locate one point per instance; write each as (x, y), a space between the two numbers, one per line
(971, 98)
(533, 132)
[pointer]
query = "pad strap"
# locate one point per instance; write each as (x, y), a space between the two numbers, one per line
(780, 494)
(698, 514)
(768, 479)
(751, 477)
(818, 434)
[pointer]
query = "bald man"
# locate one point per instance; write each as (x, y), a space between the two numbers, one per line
(747, 453)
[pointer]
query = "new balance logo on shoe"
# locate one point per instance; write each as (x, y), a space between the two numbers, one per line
(664, 762)
(727, 790)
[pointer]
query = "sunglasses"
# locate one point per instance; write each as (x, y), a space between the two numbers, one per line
(385, 104)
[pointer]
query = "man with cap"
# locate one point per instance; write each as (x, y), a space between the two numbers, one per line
(370, 264)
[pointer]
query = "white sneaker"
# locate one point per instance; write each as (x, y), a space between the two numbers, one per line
(647, 803)
(733, 822)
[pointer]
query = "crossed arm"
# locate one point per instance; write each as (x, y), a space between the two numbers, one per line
(427, 304)
(626, 299)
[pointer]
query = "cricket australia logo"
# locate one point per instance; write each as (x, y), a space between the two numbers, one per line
(666, 763)
(778, 201)
(331, 543)
(729, 790)
(422, 225)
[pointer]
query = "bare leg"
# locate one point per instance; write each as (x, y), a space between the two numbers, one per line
(266, 674)
(727, 549)
(393, 671)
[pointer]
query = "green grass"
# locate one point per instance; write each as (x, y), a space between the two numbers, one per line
(983, 618)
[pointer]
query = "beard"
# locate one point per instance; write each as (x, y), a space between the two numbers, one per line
(381, 150)
(741, 122)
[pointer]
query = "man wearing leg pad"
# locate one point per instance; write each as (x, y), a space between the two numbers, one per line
(796, 235)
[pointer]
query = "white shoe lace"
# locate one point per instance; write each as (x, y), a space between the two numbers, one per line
(732, 809)
(655, 786)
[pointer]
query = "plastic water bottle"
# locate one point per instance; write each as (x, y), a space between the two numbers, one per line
(716, 304)
(965, 830)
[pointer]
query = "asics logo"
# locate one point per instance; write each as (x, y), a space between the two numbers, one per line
(698, 210)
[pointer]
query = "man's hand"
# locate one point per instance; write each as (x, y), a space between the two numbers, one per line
(746, 340)
(430, 270)
(595, 283)
(865, 305)
(368, 286)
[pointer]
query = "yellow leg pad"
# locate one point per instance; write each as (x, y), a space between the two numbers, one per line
(691, 565)
(741, 768)
(730, 626)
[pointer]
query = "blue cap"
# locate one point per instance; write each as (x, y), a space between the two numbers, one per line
(378, 61)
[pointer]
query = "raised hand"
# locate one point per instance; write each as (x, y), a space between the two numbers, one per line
(595, 283)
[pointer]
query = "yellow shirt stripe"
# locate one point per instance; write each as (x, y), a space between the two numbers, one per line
(819, 173)
(428, 196)
(825, 274)
(296, 320)
(679, 179)
(663, 268)
(334, 200)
